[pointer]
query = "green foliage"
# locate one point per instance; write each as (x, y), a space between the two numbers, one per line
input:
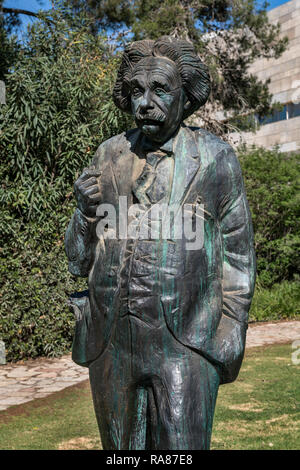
(104, 13)
(280, 302)
(34, 318)
(229, 36)
(8, 21)
(59, 109)
(272, 185)
(9, 47)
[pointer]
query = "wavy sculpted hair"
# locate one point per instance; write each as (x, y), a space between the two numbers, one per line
(194, 74)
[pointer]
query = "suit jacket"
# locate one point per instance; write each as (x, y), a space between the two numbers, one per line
(203, 295)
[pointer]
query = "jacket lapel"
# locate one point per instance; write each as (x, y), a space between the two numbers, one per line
(187, 163)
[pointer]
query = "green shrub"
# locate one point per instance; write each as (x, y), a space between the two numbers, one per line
(280, 302)
(59, 109)
(35, 320)
(272, 186)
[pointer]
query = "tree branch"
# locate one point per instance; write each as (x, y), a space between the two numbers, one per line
(19, 11)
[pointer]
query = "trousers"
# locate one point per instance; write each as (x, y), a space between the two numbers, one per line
(152, 392)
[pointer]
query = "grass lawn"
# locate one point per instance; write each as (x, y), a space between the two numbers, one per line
(258, 411)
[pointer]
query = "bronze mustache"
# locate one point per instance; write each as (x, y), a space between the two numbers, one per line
(159, 117)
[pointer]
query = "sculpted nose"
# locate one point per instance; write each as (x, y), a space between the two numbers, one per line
(146, 102)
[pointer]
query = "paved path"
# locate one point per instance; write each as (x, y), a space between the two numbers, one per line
(23, 382)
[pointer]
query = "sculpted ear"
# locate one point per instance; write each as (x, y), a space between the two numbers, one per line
(187, 104)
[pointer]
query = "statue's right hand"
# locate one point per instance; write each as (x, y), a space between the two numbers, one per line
(87, 191)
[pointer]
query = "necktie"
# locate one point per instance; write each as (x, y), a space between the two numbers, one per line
(154, 183)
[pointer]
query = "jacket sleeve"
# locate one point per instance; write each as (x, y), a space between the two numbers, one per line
(238, 262)
(80, 237)
(79, 242)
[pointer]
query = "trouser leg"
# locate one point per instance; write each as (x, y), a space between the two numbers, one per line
(112, 402)
(112, 396)
(154, 393)
(120, 404)
(183, 405)
(182, 388)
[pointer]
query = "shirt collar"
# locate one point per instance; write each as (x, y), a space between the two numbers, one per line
(146, 146)
(168, 146)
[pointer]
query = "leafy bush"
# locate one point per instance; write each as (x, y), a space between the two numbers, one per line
(280, 302)
(272, 185)
(59, 109)
(34, 318)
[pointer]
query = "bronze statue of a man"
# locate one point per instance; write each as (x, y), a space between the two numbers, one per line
(164, 321)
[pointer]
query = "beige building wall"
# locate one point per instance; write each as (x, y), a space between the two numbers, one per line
(285, 81)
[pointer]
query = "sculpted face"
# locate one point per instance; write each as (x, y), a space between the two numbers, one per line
(157, 98)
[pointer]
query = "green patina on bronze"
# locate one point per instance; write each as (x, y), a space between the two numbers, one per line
(162, 325)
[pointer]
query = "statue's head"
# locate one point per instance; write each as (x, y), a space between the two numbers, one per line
(162, 83)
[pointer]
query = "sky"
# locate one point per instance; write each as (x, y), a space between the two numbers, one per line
(31, 5)
(35, 5)
(276, 3)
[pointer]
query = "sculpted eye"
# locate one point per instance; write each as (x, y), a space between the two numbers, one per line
(137, 92)
(160, 91)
